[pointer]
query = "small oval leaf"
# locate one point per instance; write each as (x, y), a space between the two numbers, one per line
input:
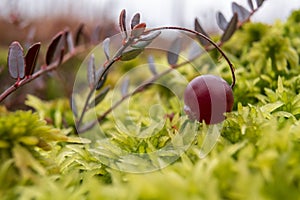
(150, 36)
(259, 2)
(135, 20)
(100, 77)
(243, 13)
(85, 126)
(122, 23)
(101, 82)
(174, 51)
(125, 86)
(95, 36)
(138, 30)
(106, 44)
(152, 65)
(16, 64)
(70, 42)
(231, 28)
(61, 56)
(221, 21)
(194, 51)
(141, 44)
(250, 3)
(31, 58)
(131, 54)
(53, 47)
(102, 94)
(74, 106)
(199, 29)
(91, 72)
(78, 34)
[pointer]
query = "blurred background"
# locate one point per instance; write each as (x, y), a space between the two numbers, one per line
(156, 12)
(49, 15)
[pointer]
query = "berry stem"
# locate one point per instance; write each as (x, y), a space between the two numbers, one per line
(206, 38)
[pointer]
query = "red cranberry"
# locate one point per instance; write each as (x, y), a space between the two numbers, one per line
(207, 98)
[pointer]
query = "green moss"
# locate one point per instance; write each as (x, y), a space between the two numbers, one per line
(256, 157)
(28, 129)
(56, 112)
(246, 37)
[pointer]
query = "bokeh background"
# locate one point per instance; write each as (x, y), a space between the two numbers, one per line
(154, 12)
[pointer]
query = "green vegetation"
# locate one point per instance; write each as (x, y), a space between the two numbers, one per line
(256, 157)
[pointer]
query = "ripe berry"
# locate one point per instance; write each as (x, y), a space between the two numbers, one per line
(207, 98)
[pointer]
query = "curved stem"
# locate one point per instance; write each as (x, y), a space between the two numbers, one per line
(206, 38)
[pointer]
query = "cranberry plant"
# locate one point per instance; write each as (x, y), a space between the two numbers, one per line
(256, 158)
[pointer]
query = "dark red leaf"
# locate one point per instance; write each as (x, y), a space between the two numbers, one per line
(15, 60)
(199, 29)
(122, 23)
(95, 37)
(135, 20)
(69, 40)
(102, 94)
(221, 21)
(243, 13)
(231, 28)
(79, 33)
(54, 48)
(250, 3)
(106, 44)
(31, 58)
(61, 56)
(259, 2)
(138, 30)
(101, 80)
